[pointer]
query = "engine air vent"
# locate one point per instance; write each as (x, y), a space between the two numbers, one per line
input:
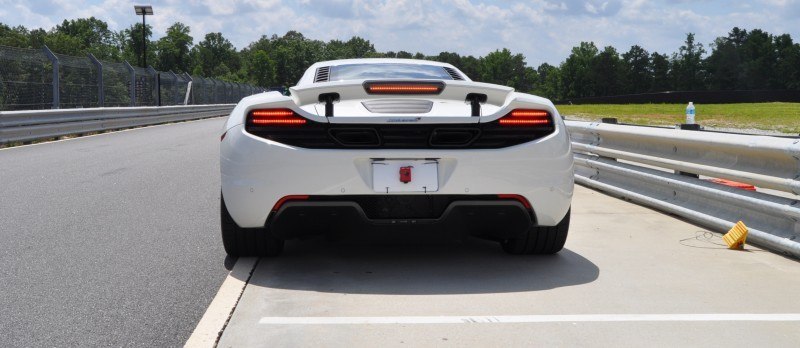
(323, 74)
(453, 73)
(398, 106)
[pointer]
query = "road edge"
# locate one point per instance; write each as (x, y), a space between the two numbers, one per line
(209, 330)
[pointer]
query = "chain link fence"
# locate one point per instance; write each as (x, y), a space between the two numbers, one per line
(33, 79)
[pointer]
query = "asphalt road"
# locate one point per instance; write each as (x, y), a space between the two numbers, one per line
(110, 240)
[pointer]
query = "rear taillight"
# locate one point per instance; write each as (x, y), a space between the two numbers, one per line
(385, 87)
(274, 117)
(527, 118)
(287, 199)
(518, 198)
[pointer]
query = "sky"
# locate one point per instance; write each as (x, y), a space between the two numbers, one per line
(542, 30)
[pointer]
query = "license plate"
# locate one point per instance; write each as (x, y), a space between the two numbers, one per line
(405, 176)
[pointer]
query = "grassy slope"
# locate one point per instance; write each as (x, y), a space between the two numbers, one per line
(781, 117)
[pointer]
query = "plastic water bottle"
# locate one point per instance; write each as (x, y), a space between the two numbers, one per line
(690, 113)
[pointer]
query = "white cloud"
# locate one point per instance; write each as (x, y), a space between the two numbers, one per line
(542, 30)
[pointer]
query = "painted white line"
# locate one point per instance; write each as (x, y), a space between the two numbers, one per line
(208, 330)
(527, 319)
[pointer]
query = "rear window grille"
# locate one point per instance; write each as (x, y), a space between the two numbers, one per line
(453, 73)
(398, 106)
(323, 74)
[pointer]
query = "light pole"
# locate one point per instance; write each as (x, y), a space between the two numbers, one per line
(144, 10)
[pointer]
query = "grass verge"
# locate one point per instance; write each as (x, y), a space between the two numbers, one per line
(778, 117)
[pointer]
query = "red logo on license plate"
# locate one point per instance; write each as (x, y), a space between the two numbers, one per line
(405, 174)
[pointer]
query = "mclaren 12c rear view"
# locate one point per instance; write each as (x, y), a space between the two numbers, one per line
(394, 145)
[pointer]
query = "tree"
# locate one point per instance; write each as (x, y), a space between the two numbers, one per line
(261, 69)
(688, 65)
(133, 44)
(174, 48)
(576, 71)
(549, 81)
(660, 70)
(359, 48)
(787, 64)
(502, 67)
(90, 35)
(724, 65)
(606, 69)
(215, 56)
(758, 60)
(637, 77)
(451, 58)
(15, 37)
(471, 66)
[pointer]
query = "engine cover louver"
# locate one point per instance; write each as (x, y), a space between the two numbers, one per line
(323, 74)
(398, 106)
(315, 135)
(453, 73)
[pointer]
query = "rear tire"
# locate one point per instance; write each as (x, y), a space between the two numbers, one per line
(246, 241)
(539, 239)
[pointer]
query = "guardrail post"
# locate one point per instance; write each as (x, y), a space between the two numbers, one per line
(610, 120)
(157, 80)
(691, 127)
(56, 76)
(133, 82)
(101, 95)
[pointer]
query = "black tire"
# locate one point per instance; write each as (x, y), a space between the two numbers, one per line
(246, 241)
(539, 239)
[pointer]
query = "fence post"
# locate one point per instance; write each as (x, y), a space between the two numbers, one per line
(157, 80)
(133, 82)
(213, 91)
(101, 95)
(189, 89)
(56, 76)
(175, 88)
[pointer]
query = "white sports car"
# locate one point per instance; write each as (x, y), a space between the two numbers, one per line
(394, 146)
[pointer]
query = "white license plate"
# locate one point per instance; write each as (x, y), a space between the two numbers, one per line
(389, 176)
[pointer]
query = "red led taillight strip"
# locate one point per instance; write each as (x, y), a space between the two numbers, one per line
(274, 117)
(403, 88)
(525, 117)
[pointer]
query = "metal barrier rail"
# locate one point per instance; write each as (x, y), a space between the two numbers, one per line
(620, 159)
(43, 124)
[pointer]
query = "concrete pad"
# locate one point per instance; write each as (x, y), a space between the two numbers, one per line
(620, 259)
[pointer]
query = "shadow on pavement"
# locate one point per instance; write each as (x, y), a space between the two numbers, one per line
(474, 266)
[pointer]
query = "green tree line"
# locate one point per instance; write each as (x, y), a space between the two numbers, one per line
(741, 60)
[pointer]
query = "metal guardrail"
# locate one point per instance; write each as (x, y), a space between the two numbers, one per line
(641, 164)
(42, 124)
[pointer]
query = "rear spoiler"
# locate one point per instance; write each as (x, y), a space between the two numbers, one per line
(349, 90)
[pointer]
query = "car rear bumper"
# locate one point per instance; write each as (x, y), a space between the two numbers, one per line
(256, 173)
(500, 219)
